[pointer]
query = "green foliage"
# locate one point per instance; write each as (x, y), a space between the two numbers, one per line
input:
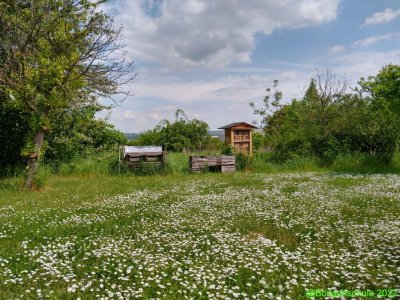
(228, 150)
(383, 93)
(41, 178)
(242, 161)
(271, 104)
(148, 138)
(214, 144)
(148, 168)
(177, 163)
(384, 90)
(328, 122)
(76, 132)
(92, 162)
(57, 57)
(182, 135)
(258, 141)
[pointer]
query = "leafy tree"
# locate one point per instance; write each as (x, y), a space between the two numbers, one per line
(148, 138)
(181, 135)
(280, 123)
(384, 90)
(328, 120)
(383, 93)
(271, 104)
(320, 111)
(79, 132)
(56, 55)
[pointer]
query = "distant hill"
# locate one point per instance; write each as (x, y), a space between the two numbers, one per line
(214, 133)
(217, 133)
(131, 136)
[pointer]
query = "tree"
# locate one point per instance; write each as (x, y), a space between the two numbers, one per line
(280, 123)
(322, 100)
(56, 55)
(77, 132)
(384, 90)
(181, 135)
(383, 93)
(306, 126)
(148, 138)
(271, 103)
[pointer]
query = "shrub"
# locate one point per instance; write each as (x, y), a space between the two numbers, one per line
(228, 150)
(40, 179)
(242, 161)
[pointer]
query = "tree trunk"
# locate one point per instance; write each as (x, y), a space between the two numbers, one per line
(34, 159)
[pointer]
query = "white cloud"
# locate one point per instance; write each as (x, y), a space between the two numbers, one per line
(232, 88)
(375, 39)
(169, 36)
(382, 17)
(357, 64)
(218, 102)
(185, 34)
(336, 49)
(225, 98)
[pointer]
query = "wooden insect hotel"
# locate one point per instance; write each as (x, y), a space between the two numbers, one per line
(134, 156)
(222, 164)
(239, 136)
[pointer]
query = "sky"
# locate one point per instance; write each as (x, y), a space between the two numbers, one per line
(211, 58)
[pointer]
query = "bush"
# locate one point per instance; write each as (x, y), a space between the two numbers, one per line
(214, 144)
(242, 161)
(228, 150)
(42, 176)
(288, 150)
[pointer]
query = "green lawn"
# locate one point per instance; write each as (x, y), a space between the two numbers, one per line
(205, 236)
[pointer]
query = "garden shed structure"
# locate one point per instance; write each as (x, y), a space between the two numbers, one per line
(239, 136)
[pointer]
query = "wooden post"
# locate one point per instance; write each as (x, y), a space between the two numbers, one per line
(251, 142)
(119, 159)
(232, 139)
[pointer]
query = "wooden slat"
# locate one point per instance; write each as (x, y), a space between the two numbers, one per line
(134, 160)
(134, 154)
(200, 163)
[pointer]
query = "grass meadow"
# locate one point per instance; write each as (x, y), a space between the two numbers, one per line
(266, 234)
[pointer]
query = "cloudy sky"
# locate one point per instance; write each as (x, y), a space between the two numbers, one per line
(212, 57)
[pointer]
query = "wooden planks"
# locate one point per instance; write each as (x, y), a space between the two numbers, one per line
(197, 163)
(228, 164)
(217, 163)
(135, 159)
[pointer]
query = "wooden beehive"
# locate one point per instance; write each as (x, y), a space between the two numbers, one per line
(134, 156)
(212, 163)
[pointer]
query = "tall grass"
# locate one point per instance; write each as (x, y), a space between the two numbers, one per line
(95, 163)
(365, 164)
(262, 162)
(107, 164)
(357, 163)
(177, 163)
